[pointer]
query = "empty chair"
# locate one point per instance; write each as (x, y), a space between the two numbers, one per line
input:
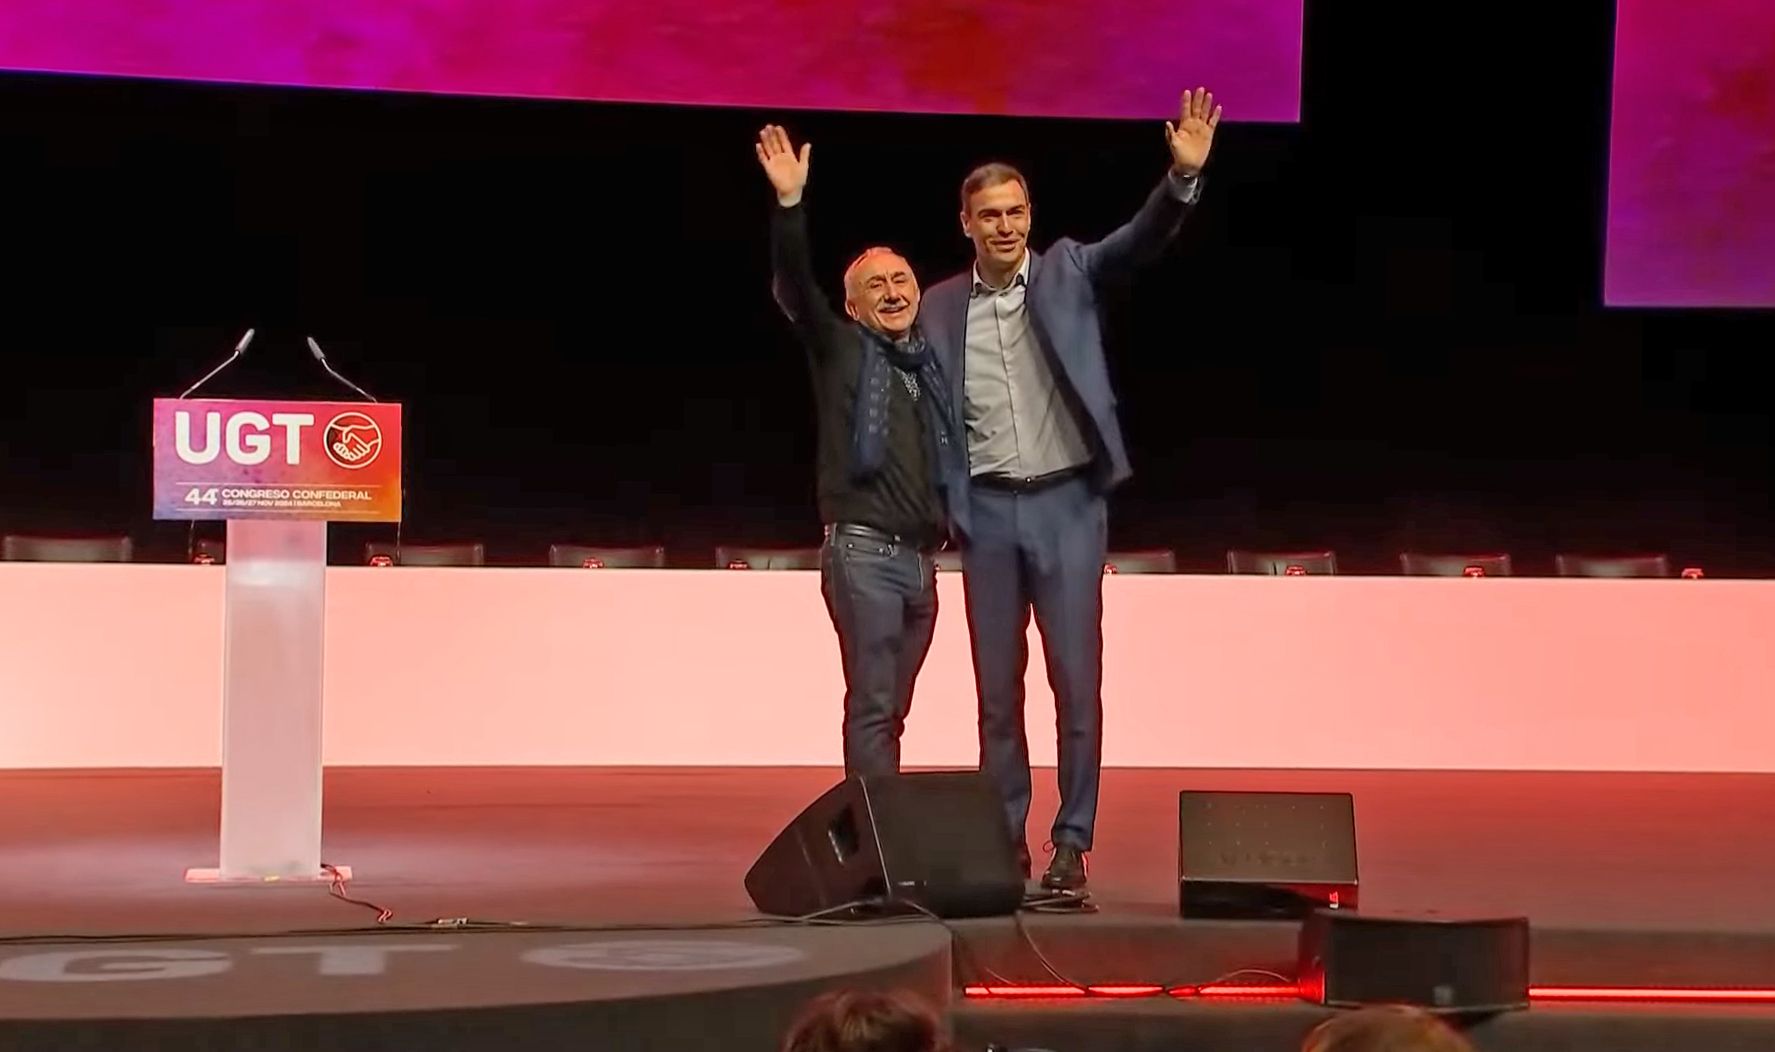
(594, 557)
(1421, 564)
(767, 558)
(209, 550)
(381, 554)
(21, 548)
(1612, 565)
(1281, 563)
(1152, 560)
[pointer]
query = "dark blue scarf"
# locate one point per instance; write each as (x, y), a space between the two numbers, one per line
(875, 384)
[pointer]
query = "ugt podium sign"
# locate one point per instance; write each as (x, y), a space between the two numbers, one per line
(230, 459)
(278, 472)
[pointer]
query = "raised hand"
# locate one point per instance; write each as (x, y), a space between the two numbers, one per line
(786, 170)
(1192, 136)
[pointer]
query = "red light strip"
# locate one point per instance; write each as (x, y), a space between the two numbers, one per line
(1271, 992)
(1677, 994)
(1128, 990)
(1022, 990)
(1264, 991)
(1033, 990)
(1039, 990)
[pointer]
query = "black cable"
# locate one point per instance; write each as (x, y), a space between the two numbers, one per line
(336, 887)
(1061, 902)
(1017, 919)
(468, 925)
(1265, 972)
(1164, 988)
(962, 944)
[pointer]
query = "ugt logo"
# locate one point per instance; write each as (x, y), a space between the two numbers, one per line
(247, 436)
(352, 440)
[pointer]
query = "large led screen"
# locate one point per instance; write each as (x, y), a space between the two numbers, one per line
(1691, 216)
(1085, 58)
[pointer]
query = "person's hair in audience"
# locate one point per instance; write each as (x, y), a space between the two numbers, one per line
(1385, 1028)
(854, 1021)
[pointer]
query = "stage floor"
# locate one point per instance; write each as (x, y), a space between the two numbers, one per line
(103, 851)
(1635, 879)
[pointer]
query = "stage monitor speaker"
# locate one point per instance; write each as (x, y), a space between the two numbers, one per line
(936, 839)
(1451, 966)
(1265, 855)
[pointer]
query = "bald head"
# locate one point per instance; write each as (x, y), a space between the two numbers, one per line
(881, 292)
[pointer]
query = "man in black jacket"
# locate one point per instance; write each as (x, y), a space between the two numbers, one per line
(887, 440)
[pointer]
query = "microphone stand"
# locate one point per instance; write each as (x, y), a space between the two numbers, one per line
(321, 357)
(240, 348)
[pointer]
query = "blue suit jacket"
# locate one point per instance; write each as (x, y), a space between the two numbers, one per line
(1062, 301)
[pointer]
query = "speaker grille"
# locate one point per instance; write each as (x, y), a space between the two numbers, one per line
(1291, 838)
(1257, 855)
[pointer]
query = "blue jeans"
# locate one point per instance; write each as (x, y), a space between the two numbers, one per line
(882, 595)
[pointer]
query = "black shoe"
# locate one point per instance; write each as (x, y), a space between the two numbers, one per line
(1024, 864)
(1067, 870)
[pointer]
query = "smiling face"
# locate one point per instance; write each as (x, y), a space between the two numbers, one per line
(881, 292)
(995, 215)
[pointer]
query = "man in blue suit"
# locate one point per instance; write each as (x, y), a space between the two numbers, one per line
(1019, 339)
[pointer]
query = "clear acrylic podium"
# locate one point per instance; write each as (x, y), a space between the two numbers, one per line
(273, 657)
(277, 472)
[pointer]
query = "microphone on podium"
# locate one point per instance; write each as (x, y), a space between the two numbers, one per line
(239, 349)
(321, 357)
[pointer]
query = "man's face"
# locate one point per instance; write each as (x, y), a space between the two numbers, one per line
(881, 292)
(997, 220)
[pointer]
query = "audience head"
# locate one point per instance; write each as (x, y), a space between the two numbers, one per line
(851, 1021)
(1385, 1028)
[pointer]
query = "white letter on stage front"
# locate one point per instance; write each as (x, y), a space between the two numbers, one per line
(110, 966)
(353, 960)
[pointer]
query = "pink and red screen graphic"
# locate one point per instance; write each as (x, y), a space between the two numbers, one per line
(1084, 58)
(1691, 217)
(237, 459)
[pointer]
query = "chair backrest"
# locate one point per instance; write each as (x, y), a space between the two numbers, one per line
(1422, 564)
(1152, 560)
(378, 553)
(209, 550)
(21, 548)
(731, 558)
(1612, 565)
(948, 560)
(1281, 563)
(593, 557)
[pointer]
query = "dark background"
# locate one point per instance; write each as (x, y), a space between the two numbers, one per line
(1382, 330)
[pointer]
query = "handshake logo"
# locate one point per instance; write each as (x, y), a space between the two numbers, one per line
(352, 440)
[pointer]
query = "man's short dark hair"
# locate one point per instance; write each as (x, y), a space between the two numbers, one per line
(992, 174)
(853, 1021)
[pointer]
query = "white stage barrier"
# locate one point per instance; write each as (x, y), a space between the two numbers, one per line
(120, 666)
